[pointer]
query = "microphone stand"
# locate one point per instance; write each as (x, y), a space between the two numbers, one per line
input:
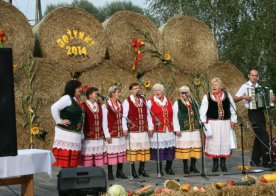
(203, 173)
(242, 134)
(242, 143)
(270, 130)
(159, 176)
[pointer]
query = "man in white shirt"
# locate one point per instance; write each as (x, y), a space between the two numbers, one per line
(257, 119)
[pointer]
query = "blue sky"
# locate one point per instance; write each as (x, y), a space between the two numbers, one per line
(27, 7)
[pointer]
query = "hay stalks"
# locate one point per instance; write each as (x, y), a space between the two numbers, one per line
(27, 105)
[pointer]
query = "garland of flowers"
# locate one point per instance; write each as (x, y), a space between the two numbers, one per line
(165, 59)
(137, 45)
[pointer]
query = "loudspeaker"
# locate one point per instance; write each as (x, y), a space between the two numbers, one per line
(81, 181)
(8, 142)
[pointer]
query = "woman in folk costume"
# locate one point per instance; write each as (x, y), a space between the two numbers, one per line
(69, 117)
(217, 111)
(93, 149)
(163, 138)
(138, 147)
(186, 125)
(113, 131)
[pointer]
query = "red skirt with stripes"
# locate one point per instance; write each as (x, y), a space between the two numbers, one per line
(66, 158)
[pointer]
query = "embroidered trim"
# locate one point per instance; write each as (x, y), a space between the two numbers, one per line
(60, 144)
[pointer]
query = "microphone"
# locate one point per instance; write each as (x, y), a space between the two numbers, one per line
(140, 94)
(103, 97)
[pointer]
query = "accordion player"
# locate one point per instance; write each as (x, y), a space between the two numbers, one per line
(262, 98)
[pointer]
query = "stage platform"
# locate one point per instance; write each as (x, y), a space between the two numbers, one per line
(46, 186)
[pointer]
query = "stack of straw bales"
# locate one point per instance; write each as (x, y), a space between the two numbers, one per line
(18, 31)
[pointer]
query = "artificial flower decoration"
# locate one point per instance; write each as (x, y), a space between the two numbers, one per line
(84, 88)
(3, 38)
(197, 81)
(167, 57)
(42, 135)
(35, 130)
(147, 83)
(137, 45)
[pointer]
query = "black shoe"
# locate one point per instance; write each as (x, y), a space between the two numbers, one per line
(110, 173)
(215, 165)
(143, 173)
(160, 168)
(110, 177)
(169, 171)
(168, 168)
(185, 166)
(193, 166)
(223, 165)
(120, 174)
(133, 171)
(141, 170)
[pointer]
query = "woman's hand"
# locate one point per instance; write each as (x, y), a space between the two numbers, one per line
(232, 125)
(109, 140)
(65, 122)
(150, 132)
(125, 132)
(178, 133)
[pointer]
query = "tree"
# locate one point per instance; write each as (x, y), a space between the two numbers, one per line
(244, 30)
(111, 8)
(104, 12)
(84, 4)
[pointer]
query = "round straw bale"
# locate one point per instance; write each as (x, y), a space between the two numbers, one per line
(120, 29)
(190, 42)
(71, 36)
(18, 32)
(49, 81)
(106, 75)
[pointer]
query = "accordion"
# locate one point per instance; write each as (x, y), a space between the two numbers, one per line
(261, 98)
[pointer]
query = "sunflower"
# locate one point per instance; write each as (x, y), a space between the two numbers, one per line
(35, 130)
(197, 81)
(147, 84)
(167, 56)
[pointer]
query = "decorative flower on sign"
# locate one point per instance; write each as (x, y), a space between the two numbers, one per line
(3, 38)
(137, 45)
